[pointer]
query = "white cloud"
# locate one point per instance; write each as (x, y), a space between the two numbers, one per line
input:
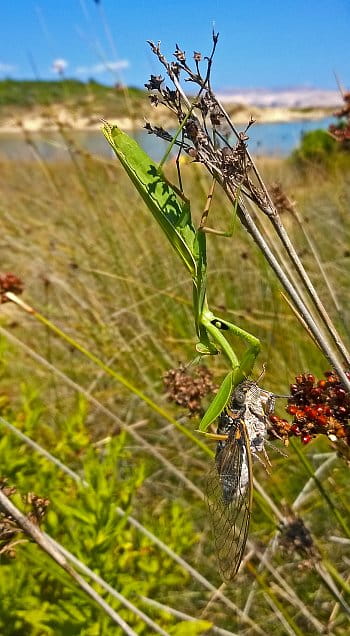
(6, 68)
(97, 69)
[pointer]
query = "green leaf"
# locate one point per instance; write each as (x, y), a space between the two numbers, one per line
(189, 628)
(218, 404)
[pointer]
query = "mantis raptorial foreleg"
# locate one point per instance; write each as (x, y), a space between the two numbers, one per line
(210, 230)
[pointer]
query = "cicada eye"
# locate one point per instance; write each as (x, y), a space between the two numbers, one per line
(239, 395)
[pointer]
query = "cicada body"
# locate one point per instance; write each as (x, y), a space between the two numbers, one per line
(242, 428)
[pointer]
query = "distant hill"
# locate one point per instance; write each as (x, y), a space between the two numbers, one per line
(33, 93)
(41, 105)
(295, 97)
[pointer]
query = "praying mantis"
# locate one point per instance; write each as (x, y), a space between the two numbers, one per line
(172, 212)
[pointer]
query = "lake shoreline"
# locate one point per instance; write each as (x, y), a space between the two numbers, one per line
(57, 117)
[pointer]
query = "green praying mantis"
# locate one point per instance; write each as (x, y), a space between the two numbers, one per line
(172, 212)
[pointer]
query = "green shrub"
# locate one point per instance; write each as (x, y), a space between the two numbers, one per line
(317, 146)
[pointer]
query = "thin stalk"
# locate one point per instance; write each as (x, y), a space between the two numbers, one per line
(150, 448)
(116, 376)
(45, 544)
(321, 489)
(310, 484)
(298, 265)
(136, 524)
(294, 629)
(97, 579)
(290, 593)
(328, 581)
(277, 612)
(183, 616)
(283, 235)
(317, 258)
(173, 141)
(283, 278)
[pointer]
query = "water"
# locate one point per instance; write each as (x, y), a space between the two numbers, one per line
(269, 139)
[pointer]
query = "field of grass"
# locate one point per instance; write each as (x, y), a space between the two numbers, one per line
(94, 262)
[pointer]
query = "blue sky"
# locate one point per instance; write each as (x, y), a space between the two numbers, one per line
(263, 43)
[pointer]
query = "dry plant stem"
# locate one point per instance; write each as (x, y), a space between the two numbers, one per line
(196, 575)
(317, 258)
(183, 616)
(206, 150)
(273, 215)
(298, 316)
(293, 276)
(280, 229)
(329, 582)
(271, 259)
(290, 594)
(158, 409)
(302, 498)
(34, 533)
(309, 487)
(81, 566)
(288, 629)
(139, 439)
(217, 593)
(334, 612)
(173, 555)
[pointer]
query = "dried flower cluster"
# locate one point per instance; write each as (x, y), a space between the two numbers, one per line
(341, 130)
(295, 537)
(207, 130)
(281, 201)
(9, 530)
(9, 283)
(318, 407)
(187, 390)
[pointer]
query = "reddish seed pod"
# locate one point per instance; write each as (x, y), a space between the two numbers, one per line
(274, 419)
(340, 393)
(295, 430)
(305, 439)
(315, 392)
(310, 378)
(294, 388)
(341, 410)
(322, 384)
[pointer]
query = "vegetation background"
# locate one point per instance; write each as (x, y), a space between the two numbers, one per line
(95, 264)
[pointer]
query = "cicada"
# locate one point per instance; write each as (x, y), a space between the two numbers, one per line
(241, 433)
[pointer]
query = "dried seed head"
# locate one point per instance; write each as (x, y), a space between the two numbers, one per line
(197, 56)
(9, 283)
(187, 390)
(295, 537)
(180, 55)
(154, 83)
(280, 199)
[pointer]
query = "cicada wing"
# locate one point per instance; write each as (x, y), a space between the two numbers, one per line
(229, 498)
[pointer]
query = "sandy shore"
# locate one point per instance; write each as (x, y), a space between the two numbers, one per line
(42, 120)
